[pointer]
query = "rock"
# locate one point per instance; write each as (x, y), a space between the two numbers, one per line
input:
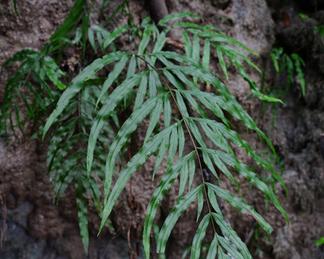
(285, 247)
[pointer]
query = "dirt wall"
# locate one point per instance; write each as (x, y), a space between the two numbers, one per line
(32, 226)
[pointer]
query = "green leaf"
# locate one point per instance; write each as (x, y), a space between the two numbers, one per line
(196, 133)
(320, 242)
(181, 105)
(206, 55)
(183, 179)
(189, 83)
(129, 126)
(256, 91)
(154, 83)
(167, 111)
(157, 197)
(181, 140)
(173, 217)
(251, 176)
(159, 44)
(137, 160)
(101, 34)
(84, 31)
(21, 56)
(237, 57)
(235, 138)
(111, 37)
(233, 253)
(213, 201)
(161, 154)
(14, 3)
(176, 16)
(132, 67)
(172, 80)
(154, 119)
(217, 158)
(173, 145)
(196, 49)
(221, 60)
(199, 236)
(298, 61)
(200, 201)
(113, 75)
(209, 163)
(83, 221)
(191, 172)
(221, 253)
(215, 136)
(187, 44)
(241, 205)
(141, 92)
(193, 103)
(146, 37)
(110, 104)
(92, 41)
(53, 73)
(76, 85)
(69, 23)
(212, 251)
(231, 235)
(275, 57)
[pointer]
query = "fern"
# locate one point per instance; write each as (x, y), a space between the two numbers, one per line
(165, 88)
(67, 156)
(177, 81)
(32, 92)
(292, 65)
(30, 89)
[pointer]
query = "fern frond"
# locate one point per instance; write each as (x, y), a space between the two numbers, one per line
(181, 167)
(173, 217)
(83, 218)
(137, 160)
(199, 236)
(179, 72)
(77, 84)
(31, 85)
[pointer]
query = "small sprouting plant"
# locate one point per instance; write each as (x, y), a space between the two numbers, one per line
(87, 140)
(319, 242)
(291, 65)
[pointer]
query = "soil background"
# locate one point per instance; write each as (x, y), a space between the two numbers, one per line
(32, 226)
